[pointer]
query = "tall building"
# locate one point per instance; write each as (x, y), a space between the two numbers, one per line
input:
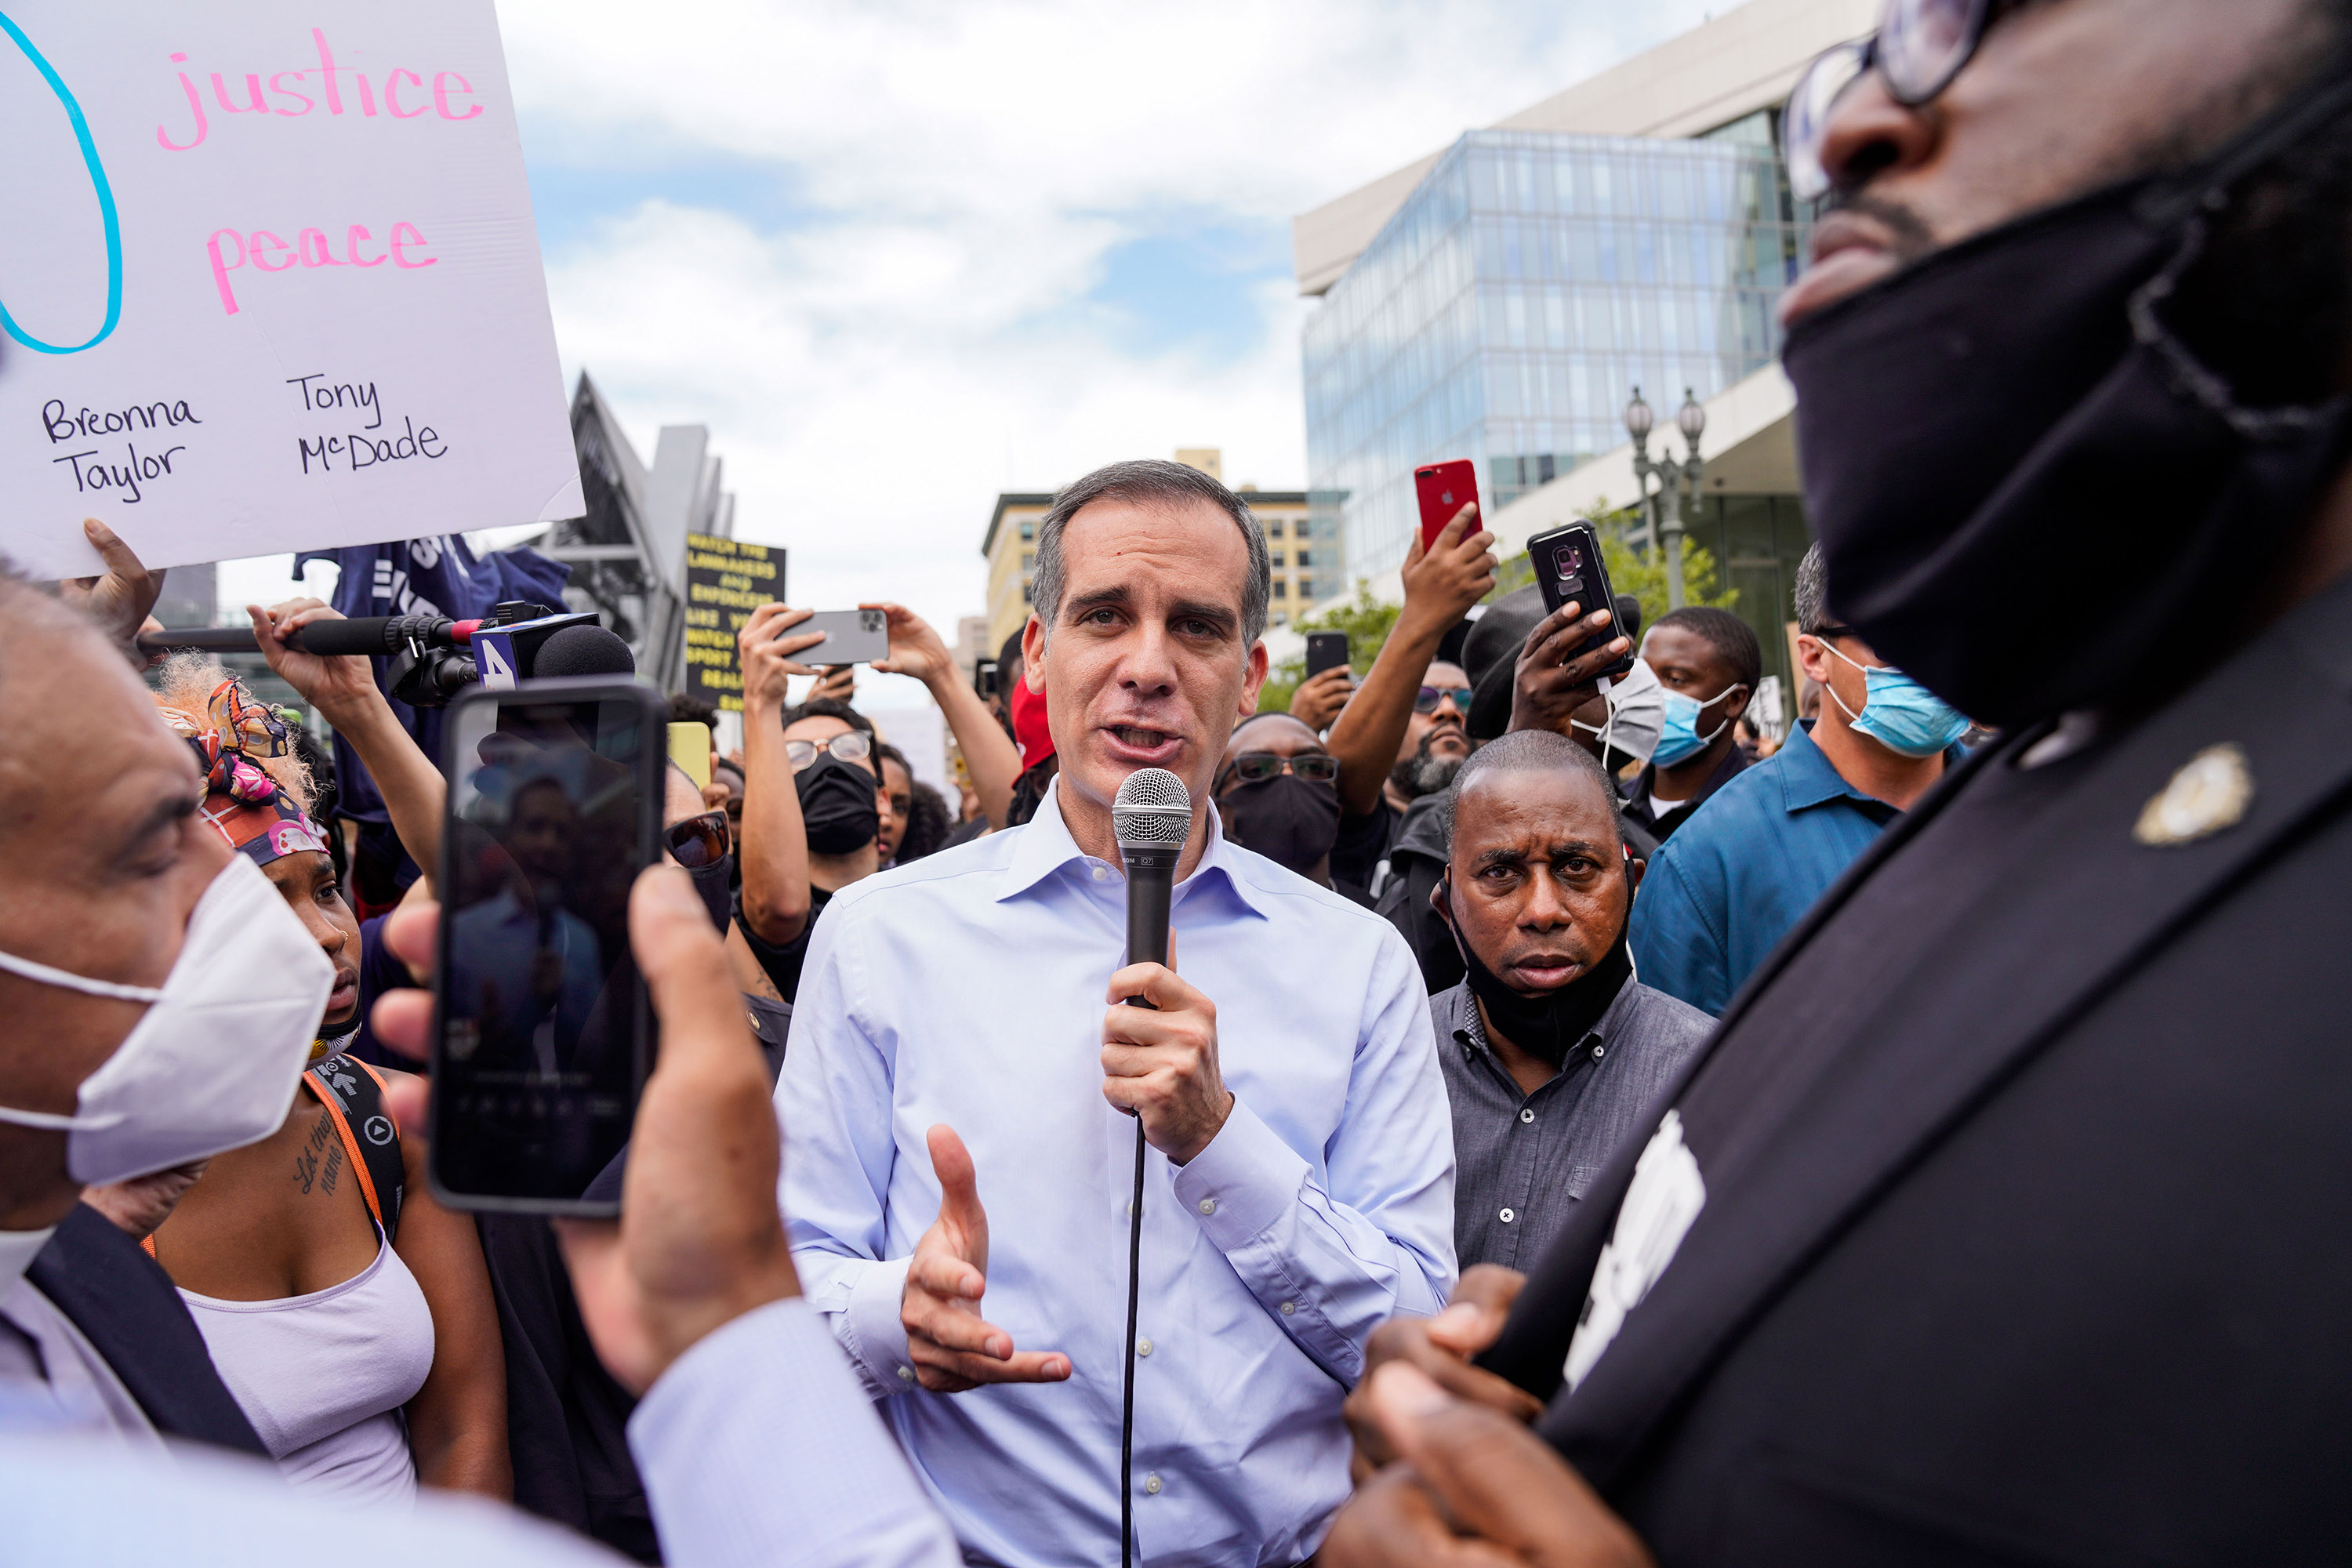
(1501, 299)
(628, 551)
(1302, 570)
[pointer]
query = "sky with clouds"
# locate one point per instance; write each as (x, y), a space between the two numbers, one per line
(900, 256)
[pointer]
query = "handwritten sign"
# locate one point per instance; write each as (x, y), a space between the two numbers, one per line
(269, 281)
(726, 580)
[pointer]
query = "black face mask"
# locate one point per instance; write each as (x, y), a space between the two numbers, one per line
(837, 809)
(1547, 1025)
(715, 883)
(1289, 820)
(2030, 493)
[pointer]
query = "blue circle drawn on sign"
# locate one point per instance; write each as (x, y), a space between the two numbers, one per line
(105, 205)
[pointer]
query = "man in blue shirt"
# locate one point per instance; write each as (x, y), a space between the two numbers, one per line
(960, 1034)
(1725, 888)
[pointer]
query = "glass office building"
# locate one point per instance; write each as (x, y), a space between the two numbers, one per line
(1507, 310)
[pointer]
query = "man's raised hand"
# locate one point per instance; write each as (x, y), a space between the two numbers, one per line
(952, 1346)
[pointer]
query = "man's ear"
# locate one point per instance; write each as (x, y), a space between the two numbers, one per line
(1033, 657)
(1812, 661)
(1733, 707)
(1633, 871)
(1253, 674)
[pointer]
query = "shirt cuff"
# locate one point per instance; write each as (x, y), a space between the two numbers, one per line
(875, 1333)
(1243, 1182)
(756, 1446)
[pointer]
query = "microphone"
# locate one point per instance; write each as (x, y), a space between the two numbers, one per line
(359, 635)
(582, 650)
(1151, 818)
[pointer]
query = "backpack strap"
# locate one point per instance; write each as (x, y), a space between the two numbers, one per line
(353, 1092)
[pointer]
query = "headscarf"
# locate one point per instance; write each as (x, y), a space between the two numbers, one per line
(259, 816)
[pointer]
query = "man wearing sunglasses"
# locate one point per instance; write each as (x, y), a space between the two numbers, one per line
(1999, 1220)
(1278, 794)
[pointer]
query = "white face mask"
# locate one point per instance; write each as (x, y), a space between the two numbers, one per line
(213, 1065)
(1637, 713)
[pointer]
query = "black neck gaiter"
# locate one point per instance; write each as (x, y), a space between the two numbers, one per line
(2030, 493)
(838, 812)
(1549, 1025)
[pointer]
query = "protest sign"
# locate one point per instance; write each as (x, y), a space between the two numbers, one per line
(269, 281)
(726, 580)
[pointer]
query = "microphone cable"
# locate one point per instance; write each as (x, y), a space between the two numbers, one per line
(1127, 1413)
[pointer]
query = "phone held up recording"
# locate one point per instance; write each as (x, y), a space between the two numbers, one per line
(542, 1032)
(1568, 565)
(1325, 650)
(851, 636)
(1443, 489)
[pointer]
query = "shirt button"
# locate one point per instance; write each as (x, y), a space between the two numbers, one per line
(1143, 1347)
(1208, 1205)
(906, 1374)
(1289, 1308)
(1152, 1485)
(1102, 873)
(1505, 1217)
(1526, 1116)
(1600, 1051)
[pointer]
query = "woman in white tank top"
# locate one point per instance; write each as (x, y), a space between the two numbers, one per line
(349, 1313)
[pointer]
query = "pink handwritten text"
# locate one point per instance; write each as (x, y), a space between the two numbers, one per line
(231, 249)
(404, 94)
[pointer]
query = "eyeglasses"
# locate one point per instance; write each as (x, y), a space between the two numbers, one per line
(1427, 698)
(698, 841)
(1919, 47)
(850, 746)
(1256, 767)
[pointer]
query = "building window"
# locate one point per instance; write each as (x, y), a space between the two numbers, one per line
(1024, 594)
(1275, 560)
(1306, 558)
(1306, 587)
(1028, 532)
(1028, 560)
(1274, 527)
(1281, 589)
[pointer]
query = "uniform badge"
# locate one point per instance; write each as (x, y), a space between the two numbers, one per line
(2210, 793)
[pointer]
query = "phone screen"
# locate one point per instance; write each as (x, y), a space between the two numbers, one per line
(553, 809)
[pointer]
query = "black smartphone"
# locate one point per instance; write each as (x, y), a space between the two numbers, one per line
(1568, 565)
(1325, 650)
(542, 1034)
(983, 678)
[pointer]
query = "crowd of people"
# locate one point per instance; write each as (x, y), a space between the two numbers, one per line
(1577, 1125)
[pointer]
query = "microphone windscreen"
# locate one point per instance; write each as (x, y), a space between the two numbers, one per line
(582, 650)
(1152, 809)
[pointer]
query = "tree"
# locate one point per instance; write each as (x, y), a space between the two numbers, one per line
(1632, 568)
(1365, 619)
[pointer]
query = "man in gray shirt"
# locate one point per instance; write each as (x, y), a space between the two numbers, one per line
(1550, 1047)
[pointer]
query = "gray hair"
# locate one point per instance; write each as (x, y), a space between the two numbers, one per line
(1812, 592)
(1149, 479)
(1526, 751)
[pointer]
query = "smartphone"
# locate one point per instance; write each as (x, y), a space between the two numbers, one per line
(1568, 565)
(541, 1031)
(1445, 488)
(851, 636)
(983, 678)
(1325, 650)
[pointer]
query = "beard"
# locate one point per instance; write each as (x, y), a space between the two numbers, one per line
(1422, 774)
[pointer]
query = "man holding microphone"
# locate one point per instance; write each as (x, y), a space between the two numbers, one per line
(963, 1023)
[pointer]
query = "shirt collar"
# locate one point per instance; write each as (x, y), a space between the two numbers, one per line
(1044, 847)
(1808, 779)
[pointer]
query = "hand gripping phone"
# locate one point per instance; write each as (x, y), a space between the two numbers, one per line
(542, 1028)
(1568, 565)
(1443, 489)
(1325, 650)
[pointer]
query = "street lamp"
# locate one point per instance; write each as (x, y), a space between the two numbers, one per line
(1676, 478)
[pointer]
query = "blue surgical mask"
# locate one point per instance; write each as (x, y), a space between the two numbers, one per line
(1899, 713)
(1680, 740)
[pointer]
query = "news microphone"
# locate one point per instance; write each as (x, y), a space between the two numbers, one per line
(1151, 818)
(357, 635)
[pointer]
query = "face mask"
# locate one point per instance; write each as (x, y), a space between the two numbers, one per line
(837, 809)
(1899, 713)
(1637, 714)
(1547, 1025)
(715, 883)
(1289, 820)
(2026, 488)
(212, 1063)
(1678, 736)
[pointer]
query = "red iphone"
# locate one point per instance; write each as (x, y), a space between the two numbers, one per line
(1445, 488)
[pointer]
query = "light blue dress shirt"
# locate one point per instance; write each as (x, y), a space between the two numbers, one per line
(968, 988)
